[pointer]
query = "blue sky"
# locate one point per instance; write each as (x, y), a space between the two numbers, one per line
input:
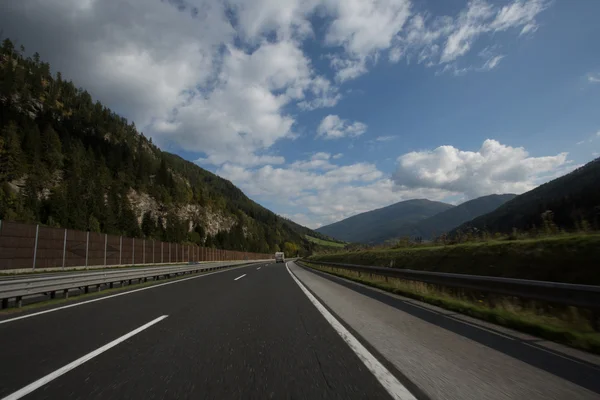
(323, 109)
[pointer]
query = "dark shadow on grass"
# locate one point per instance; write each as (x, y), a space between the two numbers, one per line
(580, 372)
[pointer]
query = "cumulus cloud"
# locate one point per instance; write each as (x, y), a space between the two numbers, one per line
(593, 78)
(320, 192)
(384, 138)
(363, 29)
(494, 168)
(324, 192)
(333, 127)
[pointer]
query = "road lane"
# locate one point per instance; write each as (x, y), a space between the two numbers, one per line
(42, 343)
(259, 337)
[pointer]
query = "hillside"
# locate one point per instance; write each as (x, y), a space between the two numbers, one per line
(370, 226)
(68, 161)
(573, 199)
(449, 219)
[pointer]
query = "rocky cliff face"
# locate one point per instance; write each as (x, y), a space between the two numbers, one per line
(213, 221)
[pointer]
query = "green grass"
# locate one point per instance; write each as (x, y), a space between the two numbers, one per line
(564, 258)
(568, 325)
(325, 242)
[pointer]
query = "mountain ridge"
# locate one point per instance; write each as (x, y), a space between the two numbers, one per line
(364, 227)
(445, 221)
(573, 200)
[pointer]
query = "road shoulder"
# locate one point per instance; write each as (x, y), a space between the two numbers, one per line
(460, 361)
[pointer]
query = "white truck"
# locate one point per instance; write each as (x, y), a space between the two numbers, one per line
(279, 257)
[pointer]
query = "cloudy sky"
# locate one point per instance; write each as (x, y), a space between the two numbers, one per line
(323, 109)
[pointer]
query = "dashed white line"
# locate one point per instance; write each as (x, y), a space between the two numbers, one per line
(61, 371)
(239, 277)
(115, 295)
(257, 268)
(382, 374)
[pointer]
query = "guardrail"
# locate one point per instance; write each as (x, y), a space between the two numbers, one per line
(19, 288)
(586, 296)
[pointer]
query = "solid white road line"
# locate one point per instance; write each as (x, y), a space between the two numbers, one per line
(239, 277)
(61, 371)
(383, 375)
(114, 295)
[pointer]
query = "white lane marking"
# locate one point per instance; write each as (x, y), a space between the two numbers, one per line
(382, 374)
(257, 268)
(114, 295)
(239, 277)
(61, 371)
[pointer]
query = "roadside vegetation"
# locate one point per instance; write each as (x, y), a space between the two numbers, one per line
(327, 243)
(567, 325)
(569, 258)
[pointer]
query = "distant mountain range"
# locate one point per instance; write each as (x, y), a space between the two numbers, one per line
(574, 200)
(413, 218)
(384, 222)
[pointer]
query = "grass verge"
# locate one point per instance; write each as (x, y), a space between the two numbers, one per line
(322, 242)
(568, 325)
(568, 258)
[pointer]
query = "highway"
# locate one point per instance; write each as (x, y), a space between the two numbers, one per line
(274, 331)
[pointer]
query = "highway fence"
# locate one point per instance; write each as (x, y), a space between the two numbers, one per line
(30, 246)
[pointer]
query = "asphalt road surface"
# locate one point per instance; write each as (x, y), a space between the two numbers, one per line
(267, 331)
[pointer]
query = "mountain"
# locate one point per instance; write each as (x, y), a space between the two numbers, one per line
(371, 226)
(449, 219)
(67, 161)
(573, 199)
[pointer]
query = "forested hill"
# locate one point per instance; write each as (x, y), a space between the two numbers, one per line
(67, 161)
(571, 202)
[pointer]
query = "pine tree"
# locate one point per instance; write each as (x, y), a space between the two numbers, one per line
(148, 225)
(51, 149)
(11, 156)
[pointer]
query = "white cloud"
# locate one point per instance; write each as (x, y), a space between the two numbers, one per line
(337, 156)
(323, 195)
(384, 138)
(363, 29)
(580, 142)
(492, 62)
(333, 127)
(316, 191)
(593, 78)
(445, 39)
(318, 161)
(595, 154)
(494, 168)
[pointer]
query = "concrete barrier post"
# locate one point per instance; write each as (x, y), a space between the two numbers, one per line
(64, 250)
(37, 231)
(87, 248)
